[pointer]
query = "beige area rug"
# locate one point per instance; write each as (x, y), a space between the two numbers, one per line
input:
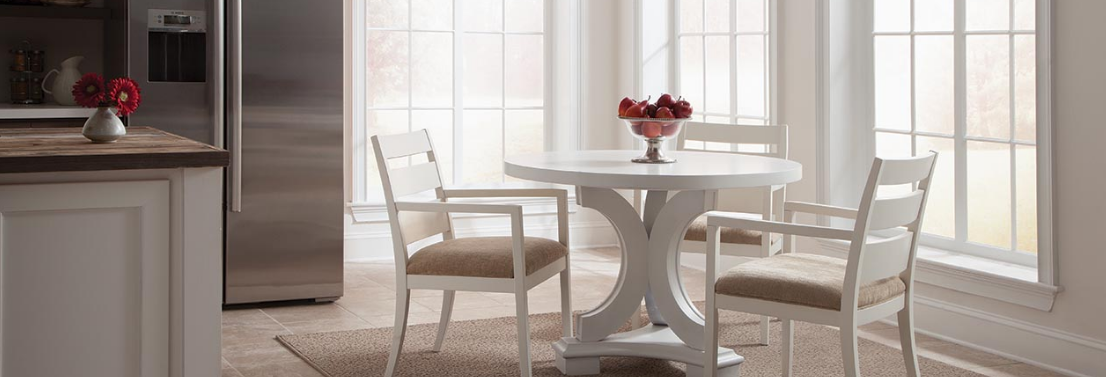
(488, 347)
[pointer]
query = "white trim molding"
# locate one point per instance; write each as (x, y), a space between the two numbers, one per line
(984, 278)
(1048, 348)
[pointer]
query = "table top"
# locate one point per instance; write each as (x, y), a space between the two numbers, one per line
(692, 170)
(36, 150)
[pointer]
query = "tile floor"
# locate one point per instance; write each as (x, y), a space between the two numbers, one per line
(249, 347)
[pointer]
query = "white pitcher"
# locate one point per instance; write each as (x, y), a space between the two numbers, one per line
(63, 84)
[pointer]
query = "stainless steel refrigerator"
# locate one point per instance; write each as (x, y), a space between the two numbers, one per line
(264, 79)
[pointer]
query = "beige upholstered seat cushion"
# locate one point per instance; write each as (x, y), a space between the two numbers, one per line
(488, 257)
(697, 231)
(802, 279)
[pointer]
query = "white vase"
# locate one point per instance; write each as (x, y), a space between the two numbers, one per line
(104, 126)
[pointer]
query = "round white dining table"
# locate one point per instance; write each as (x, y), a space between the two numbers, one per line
(650, 256)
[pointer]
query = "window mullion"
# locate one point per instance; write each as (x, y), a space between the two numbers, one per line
(458, 91)
(677, 64)
(961, 144)
(410, 74)
(503, 89)
(913, 89)
(1013, 135)
(733, 68)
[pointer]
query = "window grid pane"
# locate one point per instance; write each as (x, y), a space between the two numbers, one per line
(412, 78)
(996, 144)
(725, 64)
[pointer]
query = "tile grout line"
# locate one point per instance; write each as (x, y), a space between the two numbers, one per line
(278, 322)
(231, 366)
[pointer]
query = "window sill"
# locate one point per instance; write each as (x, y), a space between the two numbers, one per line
(983, 277)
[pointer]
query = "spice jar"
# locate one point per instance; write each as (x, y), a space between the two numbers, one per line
(20, 90)
(19, 60)
(34, 91)
(36, 60)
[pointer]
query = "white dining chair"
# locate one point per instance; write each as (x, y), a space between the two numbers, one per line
(876, 280)
(510, 264)
(759, 202)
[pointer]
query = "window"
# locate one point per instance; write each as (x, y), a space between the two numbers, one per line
(960, 77)
(725, 60)
(470, 72)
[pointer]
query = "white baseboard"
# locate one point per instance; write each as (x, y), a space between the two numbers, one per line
(1056, 350)
(377, 245)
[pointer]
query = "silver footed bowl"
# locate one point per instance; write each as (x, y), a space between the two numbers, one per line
(654, 132)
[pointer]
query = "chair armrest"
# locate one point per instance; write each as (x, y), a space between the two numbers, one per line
(733, 221)
(560, 195)
(820, 209)
(506, 193)
(508, 209)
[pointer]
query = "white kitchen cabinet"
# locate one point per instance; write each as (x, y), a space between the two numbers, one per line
(111, 273)
(111, 255)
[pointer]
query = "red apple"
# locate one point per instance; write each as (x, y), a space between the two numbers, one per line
(664, 113)
(625, 104)
(651, 109)
(635, 128)
(651, 130)
(682, 109)
(637, 110)
(665, 100)
(670, 129)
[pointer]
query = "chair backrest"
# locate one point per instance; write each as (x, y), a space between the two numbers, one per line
(414, 178)
(768, 141)
(772, 138)
(873, 259)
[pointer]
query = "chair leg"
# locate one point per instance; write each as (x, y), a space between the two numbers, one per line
(849, 354)
(566, 304)
(906, 336)
(765, 330)
(788, 345)
(710, 349)
(522, 312)
(443, 324)
(403, 300)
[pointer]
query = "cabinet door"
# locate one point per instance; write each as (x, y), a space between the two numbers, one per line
(5, 123)
(58, 123)
(84, 279)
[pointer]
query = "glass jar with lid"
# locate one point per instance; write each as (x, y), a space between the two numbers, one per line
(19, 60)
(20, 90)
(36, 60)
(34, 91)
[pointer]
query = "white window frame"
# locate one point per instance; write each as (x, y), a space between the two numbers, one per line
(845, 60)
(770, 65)
(366, 206)
(961, 138)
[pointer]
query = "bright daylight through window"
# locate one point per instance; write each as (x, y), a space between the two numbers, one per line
(959, 77)
(725, 61)
(470, 72)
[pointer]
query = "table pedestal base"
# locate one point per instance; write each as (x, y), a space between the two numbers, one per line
(575, 358)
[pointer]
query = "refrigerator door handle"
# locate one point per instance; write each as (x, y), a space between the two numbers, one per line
(236, 106)
(218, 69)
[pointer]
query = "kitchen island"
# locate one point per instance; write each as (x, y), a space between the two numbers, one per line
(110, 254)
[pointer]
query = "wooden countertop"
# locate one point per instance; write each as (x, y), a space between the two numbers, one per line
(37, 150)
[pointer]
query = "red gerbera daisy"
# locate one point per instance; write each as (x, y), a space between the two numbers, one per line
(89, 90)
(125, 95)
